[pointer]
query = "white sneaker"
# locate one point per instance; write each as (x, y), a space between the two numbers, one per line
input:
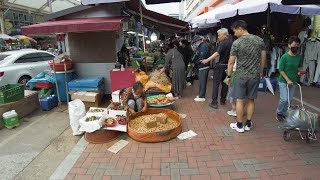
(235, 127)
(189, 84)
(199, 99)
(232, 113)
(247, 128)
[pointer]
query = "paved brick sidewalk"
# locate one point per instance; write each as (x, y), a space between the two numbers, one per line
(216, 153)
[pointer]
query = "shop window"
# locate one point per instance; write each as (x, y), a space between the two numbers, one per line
(29, 58)
(31, 19)
(21, 18)
(9, 15)
(16, 16)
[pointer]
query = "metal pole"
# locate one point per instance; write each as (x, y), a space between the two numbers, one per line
(56, 82)
(50, 5)
(141, 19)
(2, 23)
(268, 18)
(66, 81)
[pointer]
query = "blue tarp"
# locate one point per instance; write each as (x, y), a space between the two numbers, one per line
(45, 76)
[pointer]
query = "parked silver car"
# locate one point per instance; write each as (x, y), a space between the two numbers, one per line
(21, 65)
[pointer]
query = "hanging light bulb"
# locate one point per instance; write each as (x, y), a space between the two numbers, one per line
(153, 37)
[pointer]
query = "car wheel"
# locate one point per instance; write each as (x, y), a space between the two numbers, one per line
(23, 80)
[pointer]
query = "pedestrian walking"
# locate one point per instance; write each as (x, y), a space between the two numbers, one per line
(250, 52)
(290, 65)
(232, 100)
(219, 73)
(202, 52)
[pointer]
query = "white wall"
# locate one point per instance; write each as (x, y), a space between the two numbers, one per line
(94, 53)
(96, 69)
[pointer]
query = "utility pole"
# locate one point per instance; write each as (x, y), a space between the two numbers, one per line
(2, 24)
(50, 5)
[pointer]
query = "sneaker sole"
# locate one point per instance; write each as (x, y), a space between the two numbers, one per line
(237, 130)
(232, 115)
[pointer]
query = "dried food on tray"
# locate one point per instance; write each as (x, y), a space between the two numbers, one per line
(139, 124)
(92, 118)
(122, 120)
(110, 122)
(117, 108)
(96, 110)
(160, 100)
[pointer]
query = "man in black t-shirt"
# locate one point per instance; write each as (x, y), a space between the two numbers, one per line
(219, 74)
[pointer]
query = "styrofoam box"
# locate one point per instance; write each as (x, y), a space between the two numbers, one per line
(115, 96)
(114, 113)
(104, 113)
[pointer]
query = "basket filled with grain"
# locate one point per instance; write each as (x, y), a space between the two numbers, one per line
(154, 125)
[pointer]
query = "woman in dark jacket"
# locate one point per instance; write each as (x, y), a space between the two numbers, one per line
(186, 51)
(175, 64)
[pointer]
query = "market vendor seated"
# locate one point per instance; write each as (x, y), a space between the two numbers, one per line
(134, 99)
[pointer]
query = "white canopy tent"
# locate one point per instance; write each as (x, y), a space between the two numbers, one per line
(7, 37)
(254, 6)
(208, 19)
(43, 6)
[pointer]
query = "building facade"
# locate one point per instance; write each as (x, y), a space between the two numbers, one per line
(193, 8)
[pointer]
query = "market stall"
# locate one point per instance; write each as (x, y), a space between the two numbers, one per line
(274, 22)
(93, 37)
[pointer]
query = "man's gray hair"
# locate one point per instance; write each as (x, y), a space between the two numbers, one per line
(223, 31)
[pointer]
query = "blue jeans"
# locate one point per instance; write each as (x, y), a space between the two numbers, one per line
(283, 103)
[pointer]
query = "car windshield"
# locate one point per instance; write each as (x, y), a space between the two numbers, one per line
(3, 58)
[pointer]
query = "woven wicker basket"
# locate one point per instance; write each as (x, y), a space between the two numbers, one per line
(102, 136)
(156, 136)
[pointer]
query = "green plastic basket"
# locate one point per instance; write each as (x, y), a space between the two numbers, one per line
(11, 92)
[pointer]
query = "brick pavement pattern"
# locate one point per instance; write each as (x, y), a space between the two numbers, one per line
(216, 152)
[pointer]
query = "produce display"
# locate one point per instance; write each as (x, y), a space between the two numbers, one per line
(96, 110)
(158, 78)
(117, 108)
(92, 118)
(160, 100)
(139, 124)
(110, 122)
(122, 120)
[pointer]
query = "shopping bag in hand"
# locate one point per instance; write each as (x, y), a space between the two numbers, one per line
(299, 117)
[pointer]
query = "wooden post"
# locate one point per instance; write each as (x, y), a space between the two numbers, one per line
(142, 28)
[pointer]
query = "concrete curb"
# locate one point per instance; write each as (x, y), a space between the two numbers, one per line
(66, 165)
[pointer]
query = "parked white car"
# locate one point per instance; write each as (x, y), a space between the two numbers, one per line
(21, 65)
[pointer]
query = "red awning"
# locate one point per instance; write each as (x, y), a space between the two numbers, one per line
(74, 25)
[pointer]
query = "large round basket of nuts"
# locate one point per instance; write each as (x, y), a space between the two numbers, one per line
(154, 125)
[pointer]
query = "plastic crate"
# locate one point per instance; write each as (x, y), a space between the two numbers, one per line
(60, 66)
(11, 92)
(43, 85)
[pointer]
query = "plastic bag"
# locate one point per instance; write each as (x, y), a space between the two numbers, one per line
(160, 81)
(142, 77)
(91, 126)
(302, 119)
(269, 85)
(77, 110)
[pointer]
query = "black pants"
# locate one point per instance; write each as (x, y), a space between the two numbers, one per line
(219, 74)
(203, 78)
